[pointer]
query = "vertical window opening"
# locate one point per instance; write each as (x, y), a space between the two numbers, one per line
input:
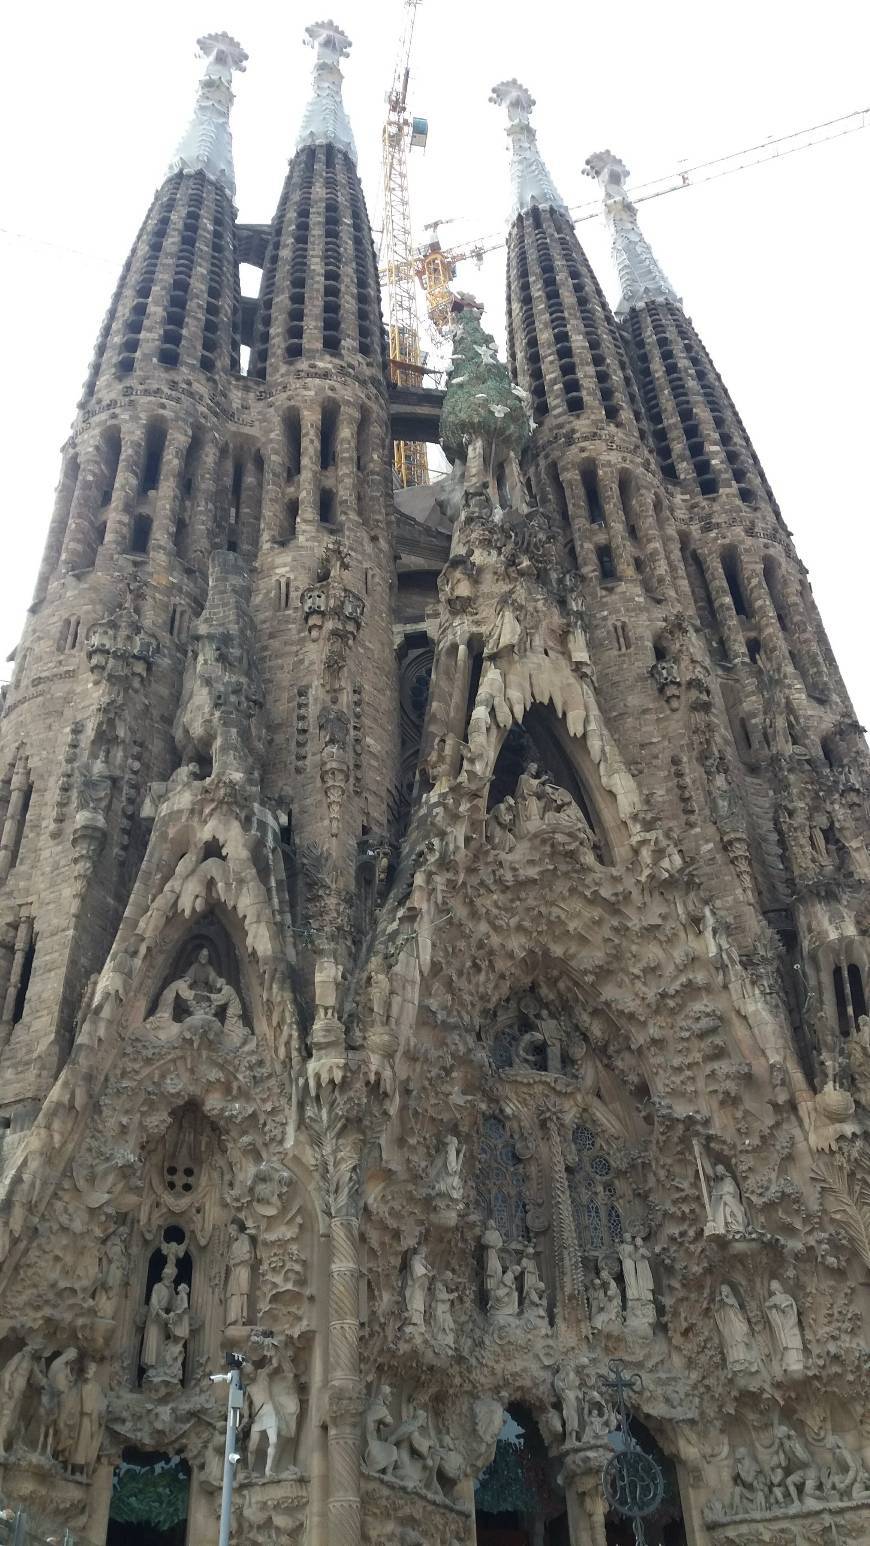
(141, 534)
(236, 497)
(856, 992)
(327, 507)
(22, 822)
(753, 650)
(626, 498)
(111, 458)
(328, 433)
(293, 431)
(24, 983)
(731, 571)
(282, 592)
(155, 440)
(592, 491)
(840, 998)
(606, 566)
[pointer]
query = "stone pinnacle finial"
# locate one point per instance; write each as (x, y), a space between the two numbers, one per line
(530, 180)
(207, 144)
(325, 120)
(640, 277)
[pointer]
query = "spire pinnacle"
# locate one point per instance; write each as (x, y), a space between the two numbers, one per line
(325, 120)
(640, 277)
(207, 144)
(530, 180)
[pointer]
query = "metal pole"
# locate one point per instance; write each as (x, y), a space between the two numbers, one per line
(235, 1400)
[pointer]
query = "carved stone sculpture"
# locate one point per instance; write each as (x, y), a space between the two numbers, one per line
(741, 1353)
(62, 1380)
(113, 1272)
(91, 1419)
(782, 1314)
(567, 1385)
(417, 1275)
(274, 1405)
(534, 1292)
(447, 1170)
(202, 992)
(729, 1216)
(638, 1279)
(14, 1379)
(240, 1260)
(381, 1453)
(605, 1308)
(443, 1329)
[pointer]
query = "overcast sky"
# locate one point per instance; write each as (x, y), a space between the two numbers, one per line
(771, 263)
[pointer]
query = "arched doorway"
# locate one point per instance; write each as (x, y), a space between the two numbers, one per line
(149, 1500)
(665, 1527)
(517, 1499)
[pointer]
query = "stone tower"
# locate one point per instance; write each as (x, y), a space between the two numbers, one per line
(432, 923)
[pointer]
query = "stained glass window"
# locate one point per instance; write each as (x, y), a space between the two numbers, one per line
(500, 1181)
(597, 1211)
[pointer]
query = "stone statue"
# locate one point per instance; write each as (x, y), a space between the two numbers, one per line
(113, 1274)
(781, 1311)
(443, 1329)
(447, 1170)
(202, 992)
(14, 1380)
(92, 1416)
(327, 981)
(63, 1382)
(741, 1354)
(529, 798)
(489, 1417)
(416, 1463)
(802, 1475)
(504, 1301)
(567, 1386)
(605, 1310)
(534, 1300)
(161, 1302)
(728, 1215)
(381, 1453)
(500, 825)
(417, 1275)
(493, 1243)
(638, 1279)
(240, 1259)
(178, 1331)
(847, 1475)
(273, 1403)
(749, 1495)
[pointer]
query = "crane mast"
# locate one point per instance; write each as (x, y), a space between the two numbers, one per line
(400, 133)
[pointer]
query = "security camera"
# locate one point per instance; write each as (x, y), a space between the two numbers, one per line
(219, 1379)
(234, 1458)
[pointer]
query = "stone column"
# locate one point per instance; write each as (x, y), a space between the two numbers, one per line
(726, 617)
(250, 506)
(616, 525)
(204, 502)
(168, 498)
(456, 716)
(346, 487)
(309, 471)
(79, 539)
(581, 1481)
(23, 940)
(15, 815)
(274, 495)
(59, 521)
(581, 531)
(119, 524)
(100, 1500)
(345, 1394)
(653, 547)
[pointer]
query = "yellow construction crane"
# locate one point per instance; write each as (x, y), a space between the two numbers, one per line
(401, 134)
(435, 268)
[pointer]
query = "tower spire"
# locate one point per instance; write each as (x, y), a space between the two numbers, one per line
(530, 179)
(207, 144)
(640, 276)
(325, 121)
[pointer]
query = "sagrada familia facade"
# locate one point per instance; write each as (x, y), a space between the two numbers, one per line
(433, 923)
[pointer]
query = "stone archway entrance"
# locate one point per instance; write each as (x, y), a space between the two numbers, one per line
(149, 1504)
(518, 1501)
